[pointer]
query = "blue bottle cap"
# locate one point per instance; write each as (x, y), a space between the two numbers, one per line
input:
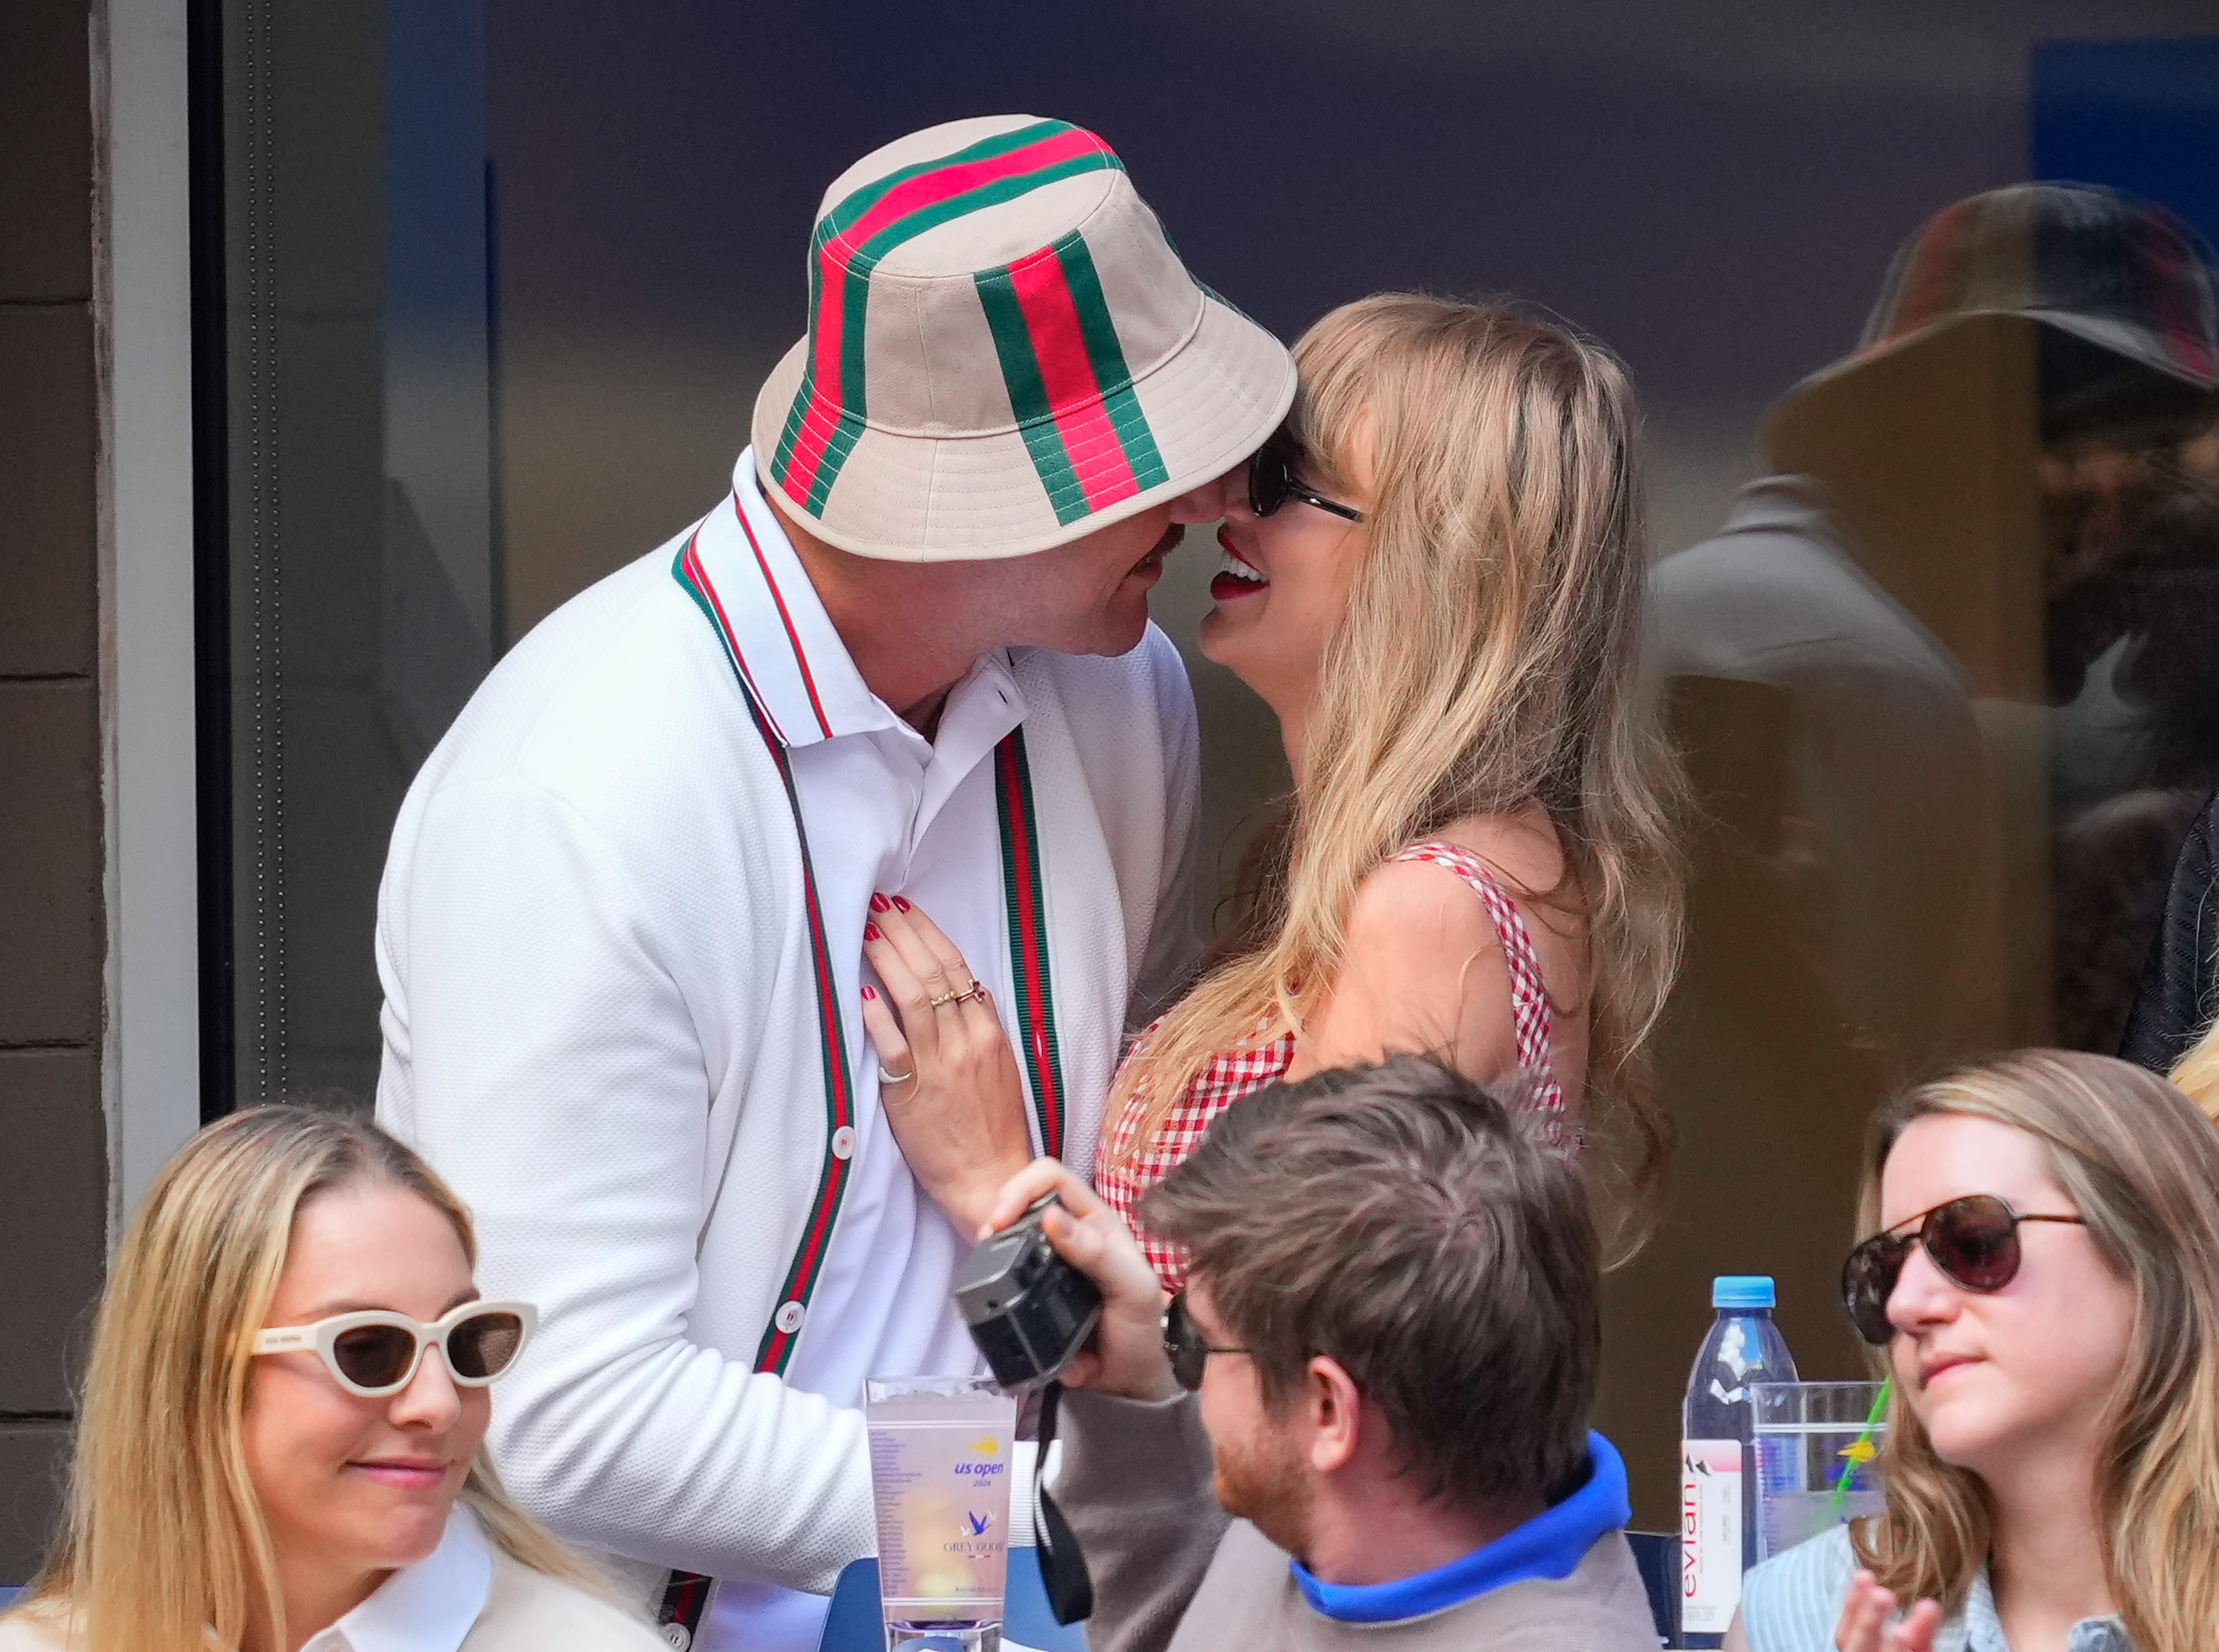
(1743, 1290)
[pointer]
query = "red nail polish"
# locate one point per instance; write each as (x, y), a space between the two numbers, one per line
(870, 932)
(902, 903)
(870, 991)
(878, 903)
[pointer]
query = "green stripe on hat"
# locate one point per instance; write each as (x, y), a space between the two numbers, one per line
(862, 200)
(1029, 400)
(1110, 372)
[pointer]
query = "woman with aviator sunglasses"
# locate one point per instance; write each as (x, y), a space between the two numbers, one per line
(1434, 577)
(280, 1442)
(2041, 1282)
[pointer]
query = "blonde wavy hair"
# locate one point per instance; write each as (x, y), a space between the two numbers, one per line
(2197, 1074)
(165, 1542)
(2140, 1165)
(1487, 660)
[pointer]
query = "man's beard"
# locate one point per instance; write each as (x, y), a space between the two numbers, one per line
(1265, 1482)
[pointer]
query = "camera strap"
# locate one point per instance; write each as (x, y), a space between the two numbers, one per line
(1069, 1586)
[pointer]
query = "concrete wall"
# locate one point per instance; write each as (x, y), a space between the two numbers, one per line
(53, 1151)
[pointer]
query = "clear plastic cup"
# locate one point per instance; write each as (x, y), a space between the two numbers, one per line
(1815, 1459)
(940, 1451)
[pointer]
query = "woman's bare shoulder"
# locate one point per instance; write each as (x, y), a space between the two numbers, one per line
(1521, 849)
(22, 1631)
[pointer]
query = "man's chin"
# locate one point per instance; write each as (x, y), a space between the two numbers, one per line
(1118, 633)
(1272, 1498)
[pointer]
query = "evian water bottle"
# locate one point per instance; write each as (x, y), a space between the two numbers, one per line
(1718, 1459)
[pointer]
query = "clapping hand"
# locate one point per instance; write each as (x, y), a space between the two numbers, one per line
(1865, 1627)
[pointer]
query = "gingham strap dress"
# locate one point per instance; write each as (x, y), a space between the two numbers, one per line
(1237, 1073)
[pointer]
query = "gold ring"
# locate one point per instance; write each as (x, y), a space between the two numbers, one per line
(946, 998)
(962, 996)
(976, 991)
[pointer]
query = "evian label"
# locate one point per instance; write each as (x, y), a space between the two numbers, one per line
(1709, 1535)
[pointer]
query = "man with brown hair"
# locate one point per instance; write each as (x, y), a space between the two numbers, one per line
(1383, 1366)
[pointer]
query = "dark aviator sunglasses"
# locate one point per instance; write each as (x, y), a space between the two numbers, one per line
(1973, 1242)
(1273, 480)
(1185, 1345)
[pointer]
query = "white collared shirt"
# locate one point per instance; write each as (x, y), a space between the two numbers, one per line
(430, 1606)
(600, 1020)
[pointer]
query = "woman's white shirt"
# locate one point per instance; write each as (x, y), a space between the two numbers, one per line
(1792, 1602)
(464, 1596)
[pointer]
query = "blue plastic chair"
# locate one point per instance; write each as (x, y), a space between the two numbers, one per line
(853, 1624)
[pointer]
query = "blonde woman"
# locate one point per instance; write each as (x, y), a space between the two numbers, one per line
(2043, 1277)
(280, 1442)
(1434, 577)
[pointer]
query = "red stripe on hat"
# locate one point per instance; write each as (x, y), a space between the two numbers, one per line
(828, 333)
(1927, 281)
(1074, 395)
(932, 188)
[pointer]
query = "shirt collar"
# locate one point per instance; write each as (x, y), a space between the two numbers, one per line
(1984, 1631)
(783, 640)
(427, 1607)
(1550, 1545)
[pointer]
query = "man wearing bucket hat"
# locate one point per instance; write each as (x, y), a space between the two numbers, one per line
(1952, 617)
(621, 925)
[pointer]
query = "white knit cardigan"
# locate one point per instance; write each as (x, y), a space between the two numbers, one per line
(599, 1027)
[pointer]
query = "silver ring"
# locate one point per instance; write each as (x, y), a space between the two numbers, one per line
(885, 1078)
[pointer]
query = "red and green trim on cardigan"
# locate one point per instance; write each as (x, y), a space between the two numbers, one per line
(1068, 382)
(801, 1275)
(1025, 898)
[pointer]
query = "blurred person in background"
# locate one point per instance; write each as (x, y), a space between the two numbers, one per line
(621, 930)
(2044, 1279)
(1434, 579)
(1364, 1421)
(281, 1446)
(1951, 661)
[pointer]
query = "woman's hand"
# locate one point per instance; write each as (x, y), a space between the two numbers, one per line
(1864, 1626)
(1126, 1356)
(957, 1107)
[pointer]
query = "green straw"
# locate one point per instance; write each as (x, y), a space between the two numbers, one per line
(1863, 1450)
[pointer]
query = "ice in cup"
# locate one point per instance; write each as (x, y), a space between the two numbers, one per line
(941, 1448)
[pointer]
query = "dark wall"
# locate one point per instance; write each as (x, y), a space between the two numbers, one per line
(53, 1171)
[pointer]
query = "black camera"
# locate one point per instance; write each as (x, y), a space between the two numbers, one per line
(1029, 1311)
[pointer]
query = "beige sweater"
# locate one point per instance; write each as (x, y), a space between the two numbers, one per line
(1173, 1573)
(526, 1611)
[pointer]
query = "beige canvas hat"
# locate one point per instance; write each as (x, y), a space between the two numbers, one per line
(1003, 353)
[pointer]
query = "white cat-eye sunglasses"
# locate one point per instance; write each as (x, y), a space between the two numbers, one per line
(375, 1352)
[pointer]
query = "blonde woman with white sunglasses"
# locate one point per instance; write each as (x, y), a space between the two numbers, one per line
(280, 1443)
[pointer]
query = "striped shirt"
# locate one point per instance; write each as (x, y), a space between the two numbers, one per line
(1792, 1603)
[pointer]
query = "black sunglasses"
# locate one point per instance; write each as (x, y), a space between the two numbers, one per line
(1972, 1241)
(1272, 481)
(1185, 1345)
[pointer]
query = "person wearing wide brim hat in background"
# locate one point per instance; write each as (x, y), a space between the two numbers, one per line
(621, 927)
(1927, 638)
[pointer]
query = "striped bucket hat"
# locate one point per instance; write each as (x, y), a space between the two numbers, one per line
(2123, 275)
(1003, 353)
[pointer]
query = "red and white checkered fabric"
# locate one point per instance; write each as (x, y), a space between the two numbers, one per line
(1240, 1071)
